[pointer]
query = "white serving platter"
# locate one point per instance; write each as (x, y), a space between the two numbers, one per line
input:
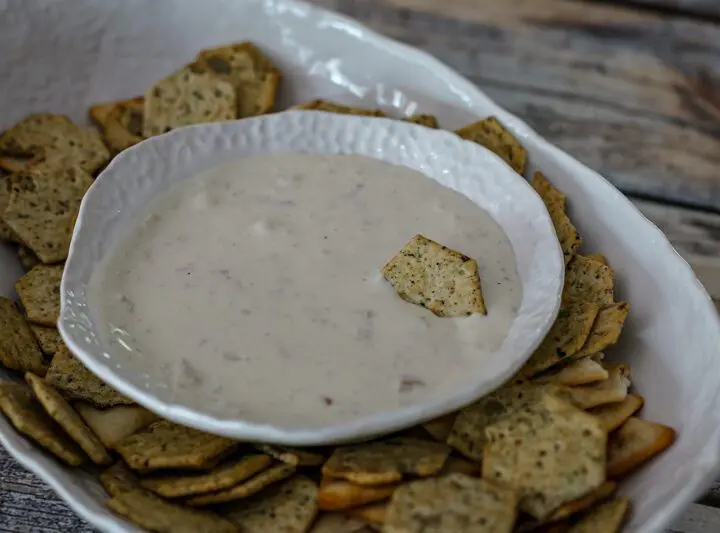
(63, 55)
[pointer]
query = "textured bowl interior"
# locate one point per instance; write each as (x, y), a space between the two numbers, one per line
(137, 175)
(62, 55)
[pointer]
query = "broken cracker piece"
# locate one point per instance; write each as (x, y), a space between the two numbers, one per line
(292, 456)
(246, 488)
(636, 442)
(589, 281)
(612, 390)
(606, 518)
(429, 121)
(606, 330)
(335, 495)
(440, 279)
(579, 372)
(493, 136)
(113, 424)
(614, 415)
(39, 292)
(439, 428)
(121, 122)
(18, 348)
(375, 514)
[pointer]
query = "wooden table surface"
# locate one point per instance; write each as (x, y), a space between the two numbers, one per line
(630, 87)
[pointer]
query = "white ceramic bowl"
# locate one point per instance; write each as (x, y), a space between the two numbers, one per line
(64, 55)
(137, 175)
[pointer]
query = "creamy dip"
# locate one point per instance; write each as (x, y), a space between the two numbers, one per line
(256, 286)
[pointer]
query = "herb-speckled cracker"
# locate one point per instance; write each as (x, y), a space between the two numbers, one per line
(48, 338)
(552, 197)
(18, 348)
(429, 121)
(588, 280)
(43, 203)
(440, 279)
(118, 479)
(606, 518)
(66, 417)
(292, 456)
(187, 97)
(493, 136)
(75, 382)
(551, 453)
(168, 445)
(113, 424)
(614, 415)
(381, 462)
(338, 494)
(246, 488)
(29, 418)
(636, 442)
(614, 389)
(451, 504)
(155, 514)
(221, 477)
(45, 135)
(288, 507)
(121, 122)
(580, 372)
(340, 109)
(6, 234)
(607, 329)
(253, 75)
(39, 292)
(567, 234)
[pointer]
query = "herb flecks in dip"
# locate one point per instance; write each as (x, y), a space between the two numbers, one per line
(258, 284)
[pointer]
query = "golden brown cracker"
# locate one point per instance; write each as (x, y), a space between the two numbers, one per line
(292, 456)
(118, 479)
(612, 390)
(246, 488)
(567, 234)
(121, 122)
(588, 280)
(374, 514)
(600, 258)
(578, 372)
(606, 518)
(39, 292)
(6, 233)
(552, 197)
(493, 136)
(614, 415)
(439, 428)
(636, 442)
(113, 424)
(18, 347)
(429, 121)
(335, 495)
(606, 330)
(339, 523)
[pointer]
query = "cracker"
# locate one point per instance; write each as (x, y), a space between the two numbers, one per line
(600, 258)
(27, 257)
(567, 336)
(451, 504)
(221, 477)
(39, 292)
(612, 390)
(43, 203)
(433, 276)
(113, 424)
(579, 372)
(493, 136)
(121, 122)
(551, 453)
(75, 382)
(614, 415)
(588, 280)
(155, 514)
(337, 523)
(429, 121)
(458, 465)
(45, 135)
(330, 107)
(567, 234)
(18, 347)
(6, 233)
(255, 78)
(48, 339)
(187, 97)
(292, 456)
(636, 442)
(166, 445)
(287, 507)
(66, 417)
(552, 197)
(29, 418)
(246, 488)
(336, 494)
(118, 479)
(375, 514)
(606, 330)
(381, 462)
(606, 518)
(439, 428)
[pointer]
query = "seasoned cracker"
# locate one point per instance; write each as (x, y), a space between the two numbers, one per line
(335, 495)
(253, 75)
(48, 339)
(612, 390)
(155, 514)
(493, 136)
(39, 292)
(589, 281)
(43, 203)
(6, 233)
(292, 456)
(429, 121)
(602, 493)
(118, 479)
(121, 122)
(551, 453)
(614, 415)
(27, 257)
(45, 135)
(636, 442)
(66, 417)
(18, 348)
(113, 424)
(381, 462)
(440, 279)
(166, 445)
(340, 109)
(187, 97)
(375, 514)
(567, 234)
(606, 518)
(246, 488)
(606, 330)
(600, 258)
(29, 418)
(552, 197)
(451, 504)
(579, 372)
(223, 476)
(439, 428)
(75, 382)
(567, 336)
(287, 507)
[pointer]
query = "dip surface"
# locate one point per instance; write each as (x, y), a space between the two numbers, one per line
(256, 285)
